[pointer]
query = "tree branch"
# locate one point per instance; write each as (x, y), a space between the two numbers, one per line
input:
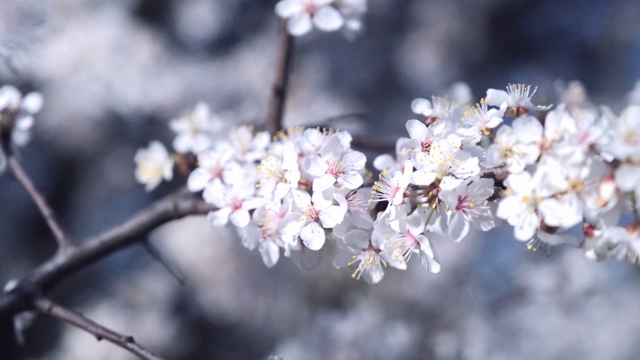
(71, 260)
(45, 210)
(48, 307)
(280, 82)
(374, 143)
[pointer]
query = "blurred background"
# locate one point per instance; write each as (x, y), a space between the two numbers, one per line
(113, 73)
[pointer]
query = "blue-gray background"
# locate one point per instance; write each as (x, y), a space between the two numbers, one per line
(114, 72)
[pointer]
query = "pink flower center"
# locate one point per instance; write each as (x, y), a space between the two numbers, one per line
(235, 204)
(335, 169)
(215, 171)
(464, 203)
(311, 214)
(426, 146)
(309, 7)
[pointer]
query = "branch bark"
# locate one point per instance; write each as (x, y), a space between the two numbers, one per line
(45, 209)
(280, 82)
(48, 307)
(68, 261)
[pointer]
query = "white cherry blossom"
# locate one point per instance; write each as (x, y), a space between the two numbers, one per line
(303, 15)
(233, 202)
(16, 113)
(518, 99)
(309, 219)
(153, 164)
(194, 129)
(519, 207)
(517, 146)
(483, 118)
(468, 206)
(411, 239)
(213, 164)
(444, 162)
(337, 165)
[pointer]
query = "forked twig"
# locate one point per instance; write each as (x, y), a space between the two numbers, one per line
(48, 307)
(45, 209)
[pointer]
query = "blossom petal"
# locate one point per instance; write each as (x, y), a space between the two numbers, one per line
(416, 129)
(270, 253)
(328, 18)
(240, 218)
(351, 180)
(299, 24)
(219, 217)
(324, 182)
(198, 179)
(496, 97)
(287, 8)
(421, 106)
(332, 216)
(313, 236)
(357, 239)
(458, 226)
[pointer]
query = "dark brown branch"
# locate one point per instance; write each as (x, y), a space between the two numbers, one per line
(45, 210)
(278, 98)
(374, 143)
(71, 260)
(48, 307)
(498, 174)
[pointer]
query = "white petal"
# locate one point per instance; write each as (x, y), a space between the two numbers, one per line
(416, 129)
(421, 106)
(270, 253)
(314, 165)
(32, 102)
(219, 217)
(431, 263)
(351, 180)
(324, 182)
(327, 18)
(383, 162)
(357, 239)
(527, 129)
(332, 216)
(287, 8)
(458, 226)
(182, 143)
(198, 179)
(527, 226)
(299, 24)
(313, 236)
(291, 224)
(422, 178)
(24, 123)
(214, 193)
(496, 97)
(355, 160)
(628, 177)
(240, 218)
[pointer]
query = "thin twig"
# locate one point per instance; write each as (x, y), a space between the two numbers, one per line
(280, 82)
(45, 209)
(374, 143)
(155, 253)
(65, 263)
(48, 307)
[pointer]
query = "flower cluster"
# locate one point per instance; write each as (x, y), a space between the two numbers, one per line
(16, 119)
(326, 15)
(306, 191)
(577, 168)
